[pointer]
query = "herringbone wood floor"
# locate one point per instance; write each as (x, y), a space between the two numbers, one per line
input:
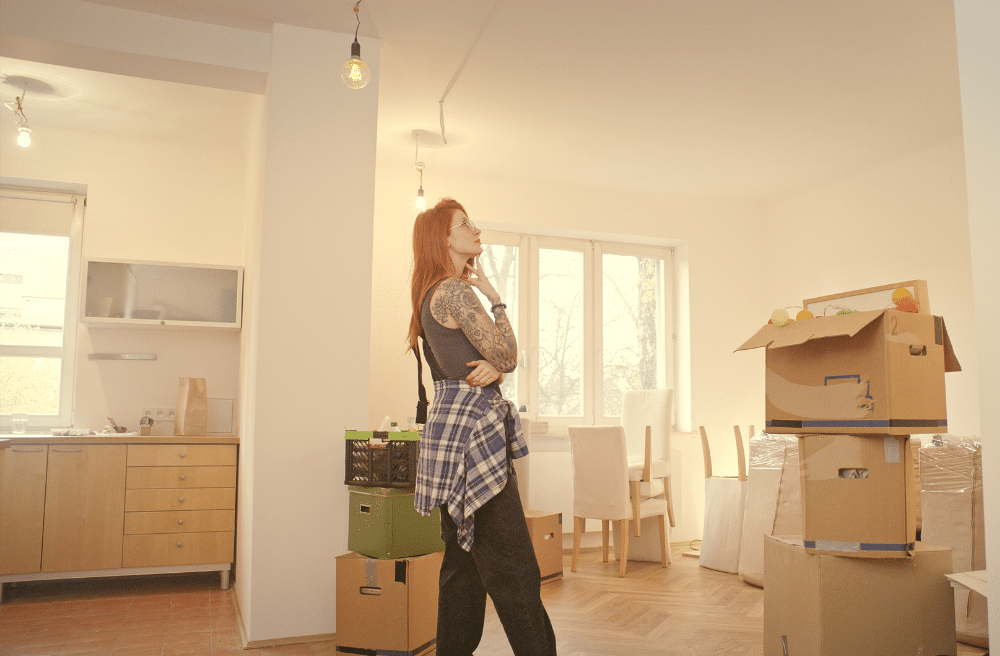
(681, 610)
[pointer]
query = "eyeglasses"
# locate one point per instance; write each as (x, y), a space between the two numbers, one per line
(466, 222)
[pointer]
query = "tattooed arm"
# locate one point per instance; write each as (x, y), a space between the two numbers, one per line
(455, 305)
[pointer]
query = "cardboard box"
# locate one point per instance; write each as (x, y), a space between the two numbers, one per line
(384, 524)
(876, 372)
(859, 495)
(387, 607)
(546, 537)
(819, 605)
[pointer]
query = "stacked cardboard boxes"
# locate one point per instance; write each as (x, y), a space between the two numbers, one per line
(854, 387)
(387, 586)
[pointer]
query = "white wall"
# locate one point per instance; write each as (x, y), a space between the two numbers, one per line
(723, 244)
(978, 23)
(306, 344)
(146, 201)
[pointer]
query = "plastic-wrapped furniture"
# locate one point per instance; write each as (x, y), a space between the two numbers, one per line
(725, 497)
(773, 504)
(601, 489)
(951, 499)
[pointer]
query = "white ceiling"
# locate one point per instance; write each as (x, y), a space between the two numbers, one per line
(714, 98)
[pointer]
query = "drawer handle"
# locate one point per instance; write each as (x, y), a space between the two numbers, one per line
(17, 450)
(180, 544)
(180, 521)
(183, 477)
(184, 455)
(181, 500)
(66, 450)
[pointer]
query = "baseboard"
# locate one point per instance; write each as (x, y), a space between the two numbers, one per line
(276, 642)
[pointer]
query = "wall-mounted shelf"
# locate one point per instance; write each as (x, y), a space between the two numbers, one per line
(124, 293)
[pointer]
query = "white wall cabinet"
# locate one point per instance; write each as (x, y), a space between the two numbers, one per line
(124, 293)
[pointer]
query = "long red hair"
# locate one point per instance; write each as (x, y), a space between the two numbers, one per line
(431, 261)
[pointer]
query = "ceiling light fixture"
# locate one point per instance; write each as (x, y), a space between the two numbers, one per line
(23, 131)
(355, 72)
(419, 202)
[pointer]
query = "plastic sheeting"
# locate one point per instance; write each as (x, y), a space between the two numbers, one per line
(951, 494)
(723, 529)
(773, 504)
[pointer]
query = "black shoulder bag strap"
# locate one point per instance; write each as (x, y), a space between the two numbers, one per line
(421, 392)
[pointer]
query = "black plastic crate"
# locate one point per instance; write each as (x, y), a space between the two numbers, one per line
(381, 459)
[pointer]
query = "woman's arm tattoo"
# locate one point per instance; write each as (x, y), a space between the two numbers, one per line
(495, 340)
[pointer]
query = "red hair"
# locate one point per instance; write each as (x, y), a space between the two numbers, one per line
(431, 260)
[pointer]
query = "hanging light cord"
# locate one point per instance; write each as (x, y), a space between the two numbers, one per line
(461, 66)
(357, 15)
(15, 106)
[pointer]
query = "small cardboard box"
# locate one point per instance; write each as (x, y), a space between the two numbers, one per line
(859, 495)
(877, 372)
(387, 607)
(819, 605)
(546, 538)
(382, 523)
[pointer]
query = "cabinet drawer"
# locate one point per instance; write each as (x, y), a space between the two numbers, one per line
(211, 498)
(178, 549)
(180, 521)
(175, 455)
(179, 477)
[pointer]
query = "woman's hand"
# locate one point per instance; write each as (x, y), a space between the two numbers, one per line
(475, 277)
(483, 374)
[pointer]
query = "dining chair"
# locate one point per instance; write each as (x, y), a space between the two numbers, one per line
(647, 417)
(602, 490)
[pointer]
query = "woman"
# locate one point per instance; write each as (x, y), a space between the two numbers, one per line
(469, 440)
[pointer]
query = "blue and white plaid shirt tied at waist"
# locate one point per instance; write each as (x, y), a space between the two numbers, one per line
(464, 452)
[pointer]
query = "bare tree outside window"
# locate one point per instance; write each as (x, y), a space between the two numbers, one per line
(560, 333)
(500, 263)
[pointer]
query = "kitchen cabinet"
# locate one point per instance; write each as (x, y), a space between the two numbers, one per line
(84, 507)
(129, 293)
(22, 507)
(180, 505)
(113, 506)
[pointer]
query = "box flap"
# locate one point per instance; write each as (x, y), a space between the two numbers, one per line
(975, 581)
(800, 332)
(950, 360)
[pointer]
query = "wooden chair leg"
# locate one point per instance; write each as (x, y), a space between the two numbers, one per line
(579, 524)
(624, 540)
(664, 551)
(670, 501)
(605, 542)
(635, 506)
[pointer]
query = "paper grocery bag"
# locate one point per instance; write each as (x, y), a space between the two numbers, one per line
(192, 407)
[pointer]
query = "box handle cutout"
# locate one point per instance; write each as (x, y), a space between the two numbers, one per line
(365, 509)
(852, 472)
(369, 590)
(549, 536)
(918, 349)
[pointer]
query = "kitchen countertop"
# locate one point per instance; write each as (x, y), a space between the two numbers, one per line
(8, 440)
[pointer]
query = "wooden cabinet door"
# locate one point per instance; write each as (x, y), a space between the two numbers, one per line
(84, 507)
(22, 507)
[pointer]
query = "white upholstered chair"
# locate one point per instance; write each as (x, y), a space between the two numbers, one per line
(647, 417)
(601, 489)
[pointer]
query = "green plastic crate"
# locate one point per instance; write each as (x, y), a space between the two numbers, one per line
(384, 524)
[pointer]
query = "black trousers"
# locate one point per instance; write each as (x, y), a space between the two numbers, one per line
(502, 564)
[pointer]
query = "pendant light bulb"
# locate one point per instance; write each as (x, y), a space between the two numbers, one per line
(355, 72)
(24, 136)
(420, 202)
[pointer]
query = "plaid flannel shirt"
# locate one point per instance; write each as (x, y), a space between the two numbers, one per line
(464, 452)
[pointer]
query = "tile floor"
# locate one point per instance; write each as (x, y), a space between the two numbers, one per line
(177, 615)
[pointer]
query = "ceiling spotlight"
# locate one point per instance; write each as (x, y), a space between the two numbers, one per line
(355, 72)
(23, 131)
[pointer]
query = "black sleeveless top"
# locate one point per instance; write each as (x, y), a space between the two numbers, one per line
(447, 349)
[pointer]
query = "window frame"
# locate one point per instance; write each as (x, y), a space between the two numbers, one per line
(68, 350)
(527, 330)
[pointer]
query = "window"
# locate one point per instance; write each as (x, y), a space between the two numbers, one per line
(593, 320)
(39, 287)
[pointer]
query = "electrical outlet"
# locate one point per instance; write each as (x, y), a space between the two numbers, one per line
(159, 414)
